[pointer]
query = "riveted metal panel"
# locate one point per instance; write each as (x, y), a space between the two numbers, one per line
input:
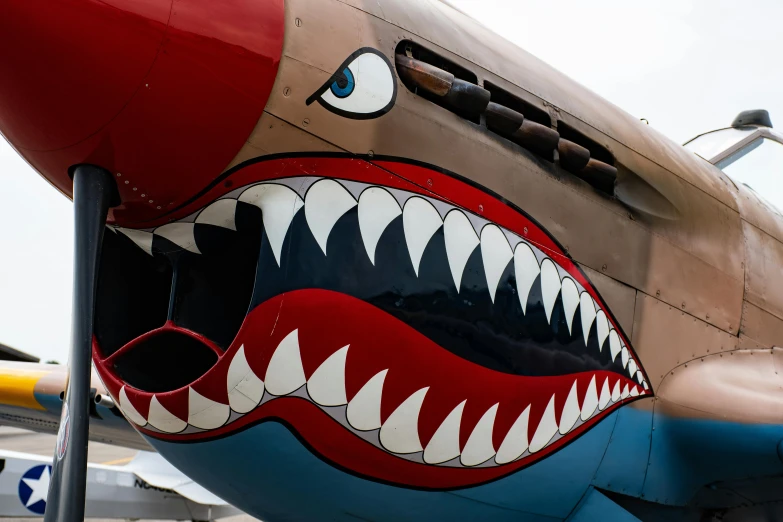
(620, 297)
(665, 337)
(764, 270)
(274, 136)
(624, 465)
(736, 386)
(761, 326)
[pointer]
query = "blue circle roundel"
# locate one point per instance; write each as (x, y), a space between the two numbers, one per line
(34, 487)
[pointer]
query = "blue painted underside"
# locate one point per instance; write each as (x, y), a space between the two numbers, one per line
(267, 472)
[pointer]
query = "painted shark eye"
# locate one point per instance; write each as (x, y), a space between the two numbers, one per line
(363, 87)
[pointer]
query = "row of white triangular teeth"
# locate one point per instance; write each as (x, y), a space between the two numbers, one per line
(203, 413)
(327, 200)
(399, 433)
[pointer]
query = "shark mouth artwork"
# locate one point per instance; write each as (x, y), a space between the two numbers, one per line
(405, 325)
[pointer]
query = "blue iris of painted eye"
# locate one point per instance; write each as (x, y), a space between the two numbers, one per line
(344, 85)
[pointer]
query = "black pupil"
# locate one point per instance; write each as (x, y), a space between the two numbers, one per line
(341, 80)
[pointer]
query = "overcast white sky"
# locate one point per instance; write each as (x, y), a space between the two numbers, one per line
(686, 66)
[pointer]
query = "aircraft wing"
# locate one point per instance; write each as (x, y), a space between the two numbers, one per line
(157, 471)
(30, 399)
(146, 488)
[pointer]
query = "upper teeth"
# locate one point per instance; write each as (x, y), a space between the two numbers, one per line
(526, 270)
(496, 254)
(550, 286)
(279, 204)
(420, 221)
(461, 241)
(571, 300)
(326, 200)
(221, 213)
(377, 209)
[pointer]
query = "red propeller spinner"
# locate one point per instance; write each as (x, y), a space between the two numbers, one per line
(161, 93)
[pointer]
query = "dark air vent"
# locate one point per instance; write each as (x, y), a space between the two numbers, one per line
(530, 111)
(164, 361)
(452, 86)
(597, 151)
(521, 122)
(586, 158)
(162, 319)
(133, 292)
(212, 290)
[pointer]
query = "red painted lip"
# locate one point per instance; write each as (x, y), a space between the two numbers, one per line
(147, 89)
(317, 326)
(288, 340)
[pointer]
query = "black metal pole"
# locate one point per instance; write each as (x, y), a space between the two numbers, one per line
(93, 189)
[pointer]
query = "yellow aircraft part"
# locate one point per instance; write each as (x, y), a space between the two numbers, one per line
(17, 388)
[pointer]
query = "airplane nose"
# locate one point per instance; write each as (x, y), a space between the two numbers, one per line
(162, 93)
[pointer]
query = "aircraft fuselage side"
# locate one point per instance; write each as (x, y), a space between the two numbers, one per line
(412, 294)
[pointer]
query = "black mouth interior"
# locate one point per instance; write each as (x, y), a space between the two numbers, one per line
(207, 293)
(165, 361)
(496, 335)
(133, 292)
(210, 293)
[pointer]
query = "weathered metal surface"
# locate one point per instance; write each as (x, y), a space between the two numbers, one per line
(759, 213)
(668, 338)
(735, 386)
(275, 136)
(618, 296)
(763, 271)
(760, 326)
(641, 196)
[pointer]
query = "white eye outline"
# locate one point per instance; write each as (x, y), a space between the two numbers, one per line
(385, 87)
